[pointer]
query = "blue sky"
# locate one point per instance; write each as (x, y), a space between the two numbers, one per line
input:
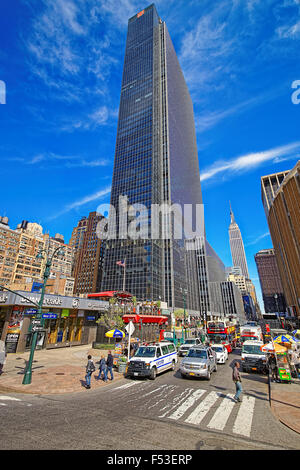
(61, 61)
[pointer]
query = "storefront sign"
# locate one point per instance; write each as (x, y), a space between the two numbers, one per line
(65, 313)
(91, 318)
(12, 342)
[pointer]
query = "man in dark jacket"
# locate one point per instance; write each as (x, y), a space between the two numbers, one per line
(238, 382)
(90, 368)
(109, 364)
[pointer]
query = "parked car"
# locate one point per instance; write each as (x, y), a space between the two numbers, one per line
(185, 347)
(200, 361)
(221, 352)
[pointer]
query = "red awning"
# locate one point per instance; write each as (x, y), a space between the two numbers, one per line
(159, 319)
(110, 294)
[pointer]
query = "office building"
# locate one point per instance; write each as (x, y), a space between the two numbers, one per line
(269, 187)
(89, 259)
(156, 162)
(284, 225)
(270, 282)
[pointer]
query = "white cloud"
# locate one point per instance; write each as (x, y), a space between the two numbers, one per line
(81, 202)
(257, 239)
(250, 161)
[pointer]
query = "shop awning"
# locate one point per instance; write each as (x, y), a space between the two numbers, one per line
(159, 319)
(109, 294)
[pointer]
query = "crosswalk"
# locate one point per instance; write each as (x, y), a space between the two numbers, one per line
(6, 399)
(212, 409)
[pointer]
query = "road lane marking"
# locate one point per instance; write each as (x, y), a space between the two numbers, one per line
(222, 414)
(243, 420)
(122, 387)
(201, 410)
(176, 401)
(4, 397)
(179, 412)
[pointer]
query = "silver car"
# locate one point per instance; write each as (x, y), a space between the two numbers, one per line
(200, 361)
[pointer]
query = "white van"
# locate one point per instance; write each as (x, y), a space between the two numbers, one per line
(152, 359)
(253, 358)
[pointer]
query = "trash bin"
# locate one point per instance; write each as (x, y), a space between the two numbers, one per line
(122, 367)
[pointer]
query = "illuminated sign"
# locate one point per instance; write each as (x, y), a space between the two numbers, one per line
(140, 13)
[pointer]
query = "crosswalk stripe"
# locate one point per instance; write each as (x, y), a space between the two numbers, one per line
(243, 420)
(176, 401)
(201, 410)
(4, 397)
(131, 384)
(186, 404)
(222, 414)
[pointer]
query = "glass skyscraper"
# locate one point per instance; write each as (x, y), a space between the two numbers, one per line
(156, 161)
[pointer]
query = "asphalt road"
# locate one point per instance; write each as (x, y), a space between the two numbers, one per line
(169, 413)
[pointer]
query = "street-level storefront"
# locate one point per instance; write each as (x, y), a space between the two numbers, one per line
(67, 321)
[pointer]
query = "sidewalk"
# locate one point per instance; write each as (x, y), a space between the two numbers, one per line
(285, 403)
(54, 371)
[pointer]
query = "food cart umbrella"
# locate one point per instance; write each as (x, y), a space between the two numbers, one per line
(115, 334)
(296, 332)
(285, 339)
(270, 348)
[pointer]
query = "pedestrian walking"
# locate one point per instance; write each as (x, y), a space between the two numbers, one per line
(102, 368)
(90, 368)
(109, 364)
(3, 355)
(238, 382)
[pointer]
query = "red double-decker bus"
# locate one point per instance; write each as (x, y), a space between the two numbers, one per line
(222, 332)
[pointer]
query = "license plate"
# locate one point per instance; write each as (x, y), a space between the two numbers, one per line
(135, 373)
(192, 373)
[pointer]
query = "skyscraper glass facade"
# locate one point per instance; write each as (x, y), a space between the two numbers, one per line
(156, 161)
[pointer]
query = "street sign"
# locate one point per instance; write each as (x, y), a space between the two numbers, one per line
(130, 328)
(49, 316)
(30, 311)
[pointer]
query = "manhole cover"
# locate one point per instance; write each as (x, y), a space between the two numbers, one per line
(42, 373)
(60, 373)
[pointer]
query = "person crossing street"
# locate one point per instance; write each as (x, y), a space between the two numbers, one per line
(90, 368)
(238, 382)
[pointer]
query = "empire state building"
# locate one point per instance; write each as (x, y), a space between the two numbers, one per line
(237, 246)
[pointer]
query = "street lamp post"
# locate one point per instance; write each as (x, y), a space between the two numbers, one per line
(184, 292)
(28, 371)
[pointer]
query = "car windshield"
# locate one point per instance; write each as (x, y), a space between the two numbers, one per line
(190, 341)
(197, 353)
(217, 348)
(252, 349)
(144, 351)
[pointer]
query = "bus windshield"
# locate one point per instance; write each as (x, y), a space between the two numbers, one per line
(217, 338)
(145, 351)
(247, 338)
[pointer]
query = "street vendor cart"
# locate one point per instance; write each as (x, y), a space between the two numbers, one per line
(284, 371)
